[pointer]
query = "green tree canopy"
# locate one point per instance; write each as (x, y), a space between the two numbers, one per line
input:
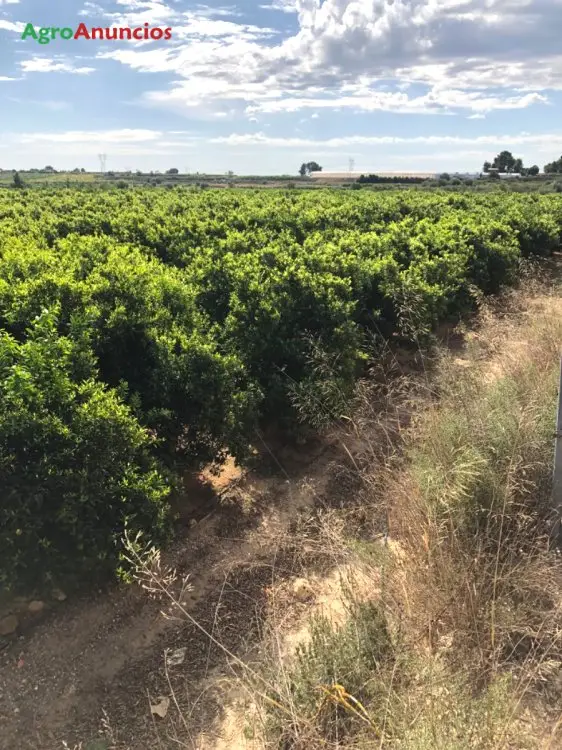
(75, 466)
(308, 167)
(555, 167)
(504, 162)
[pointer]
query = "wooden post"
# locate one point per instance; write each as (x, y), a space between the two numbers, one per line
(557, 472)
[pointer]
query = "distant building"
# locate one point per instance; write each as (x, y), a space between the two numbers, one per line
(501, 175)
(355, 175)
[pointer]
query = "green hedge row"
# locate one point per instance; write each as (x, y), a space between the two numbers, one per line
(141, 329)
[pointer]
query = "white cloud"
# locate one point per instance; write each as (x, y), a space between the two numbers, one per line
(481, 55)
(91, 9)
(202, 23)
(436, 101)
(136, 13)
(261, 154)
(83, 136)
(7, 78)
(176, 145)
(181, 139)
(47, 65)
(543, 72)
(377, 37)
(12, 26)
(446, 57)
(285, 6)
(201, 27)
(260, 139)
(120, 144)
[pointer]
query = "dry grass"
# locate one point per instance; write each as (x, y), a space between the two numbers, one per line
(451, 634)
(471, 593)
(471, 509)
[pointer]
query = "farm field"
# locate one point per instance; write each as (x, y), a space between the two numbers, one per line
(143, 331)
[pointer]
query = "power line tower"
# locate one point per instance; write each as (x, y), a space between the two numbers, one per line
(351, 164)
(102, 158)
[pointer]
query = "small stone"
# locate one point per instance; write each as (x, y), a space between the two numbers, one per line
(8, 625)
(35, 607)
(177, 657)
(161, 708)
(302, 589)
(59, 595)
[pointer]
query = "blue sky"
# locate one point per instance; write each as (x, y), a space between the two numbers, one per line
(260, 86)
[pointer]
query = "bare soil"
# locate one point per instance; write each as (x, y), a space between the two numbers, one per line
(99, 658)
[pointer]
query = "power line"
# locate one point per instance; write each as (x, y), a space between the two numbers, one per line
(102, 158)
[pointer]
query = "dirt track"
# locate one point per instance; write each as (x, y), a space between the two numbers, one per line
(105, 652)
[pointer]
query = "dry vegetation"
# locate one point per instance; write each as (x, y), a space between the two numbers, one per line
(427, 608)
(460, 633)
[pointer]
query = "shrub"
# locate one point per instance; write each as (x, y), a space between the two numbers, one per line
(74, 462)
(334, 676)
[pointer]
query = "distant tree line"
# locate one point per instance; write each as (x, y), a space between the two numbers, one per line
(48, 170)
(555, 167)
(506, 162)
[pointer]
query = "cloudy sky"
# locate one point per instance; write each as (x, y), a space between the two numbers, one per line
(260, 86)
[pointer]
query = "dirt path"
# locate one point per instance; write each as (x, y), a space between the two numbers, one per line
(105, 653)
